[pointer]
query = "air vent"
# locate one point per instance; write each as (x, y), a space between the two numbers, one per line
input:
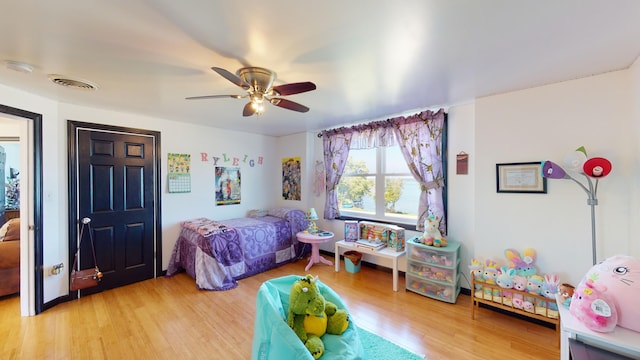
(72, 83)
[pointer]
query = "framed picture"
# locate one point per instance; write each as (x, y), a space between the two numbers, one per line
(520, 178)
(351, 230)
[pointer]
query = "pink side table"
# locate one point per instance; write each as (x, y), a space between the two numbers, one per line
(314, 240)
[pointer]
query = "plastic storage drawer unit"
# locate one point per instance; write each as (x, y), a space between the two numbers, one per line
(434, 271)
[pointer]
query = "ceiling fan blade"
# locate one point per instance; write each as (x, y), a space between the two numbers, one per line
(288, 104)
(248, 109)
(214, 97)
(231, 77)
(294, 88)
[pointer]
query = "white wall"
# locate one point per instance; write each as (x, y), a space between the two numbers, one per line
(634, 198)
(461, 211)
(546, 123)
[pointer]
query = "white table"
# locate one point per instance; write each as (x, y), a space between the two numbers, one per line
(621, 341)
(315, 240)
(385, 253)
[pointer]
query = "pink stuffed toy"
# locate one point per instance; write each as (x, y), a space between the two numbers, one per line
(592, 305)
(520, 284)
(617, 280)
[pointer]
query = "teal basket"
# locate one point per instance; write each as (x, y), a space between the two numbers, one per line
(349, 265)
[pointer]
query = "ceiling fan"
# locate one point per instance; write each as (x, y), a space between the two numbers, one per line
(258, 83)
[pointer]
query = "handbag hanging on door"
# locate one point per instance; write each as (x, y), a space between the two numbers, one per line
(82, 279)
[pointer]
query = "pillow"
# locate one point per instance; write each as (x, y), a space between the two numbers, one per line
(10, 230)
(257, 213)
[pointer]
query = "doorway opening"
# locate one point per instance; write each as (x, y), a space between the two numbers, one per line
(31, 242)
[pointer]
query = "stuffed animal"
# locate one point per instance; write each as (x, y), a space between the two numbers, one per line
(431, 235)
(520, 284)
(523, 264)
(477, 270)
(566, 293)
(593, 306)
(490, 272)
(534, 286)
(505, 281)
(550, 289)
(489, 275)
(614, 287)
(311, 316)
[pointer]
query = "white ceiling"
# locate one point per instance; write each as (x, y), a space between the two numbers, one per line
(370, 59)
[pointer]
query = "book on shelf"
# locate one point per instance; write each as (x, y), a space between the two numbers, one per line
(370, 244)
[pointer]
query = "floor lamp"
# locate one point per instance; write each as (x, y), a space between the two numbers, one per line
(593, 170)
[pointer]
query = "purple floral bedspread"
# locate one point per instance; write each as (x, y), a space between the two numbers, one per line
(218, 253)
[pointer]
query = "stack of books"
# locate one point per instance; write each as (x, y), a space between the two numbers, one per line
(370, 244)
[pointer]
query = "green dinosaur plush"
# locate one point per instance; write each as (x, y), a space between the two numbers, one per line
(311, 316)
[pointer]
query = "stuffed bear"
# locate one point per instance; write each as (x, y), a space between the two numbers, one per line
(311, 316)
(566, 293)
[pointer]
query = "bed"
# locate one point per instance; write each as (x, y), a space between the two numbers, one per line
(218, 253)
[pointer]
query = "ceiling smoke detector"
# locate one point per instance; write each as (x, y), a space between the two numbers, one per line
(18, 66)
(72, 83)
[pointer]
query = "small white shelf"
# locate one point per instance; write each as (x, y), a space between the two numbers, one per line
(387, 253)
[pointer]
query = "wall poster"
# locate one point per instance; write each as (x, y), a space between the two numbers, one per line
(227, 185)
(291, 173)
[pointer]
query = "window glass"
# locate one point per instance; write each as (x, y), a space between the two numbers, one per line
(388, 194)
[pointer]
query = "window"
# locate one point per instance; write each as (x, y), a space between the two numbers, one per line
(376, 184)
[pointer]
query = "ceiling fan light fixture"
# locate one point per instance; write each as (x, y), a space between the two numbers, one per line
(257, 102)
(258, 107)
(260, 79)
(258, 82)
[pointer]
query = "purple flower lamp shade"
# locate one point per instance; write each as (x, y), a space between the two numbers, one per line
(552, 170)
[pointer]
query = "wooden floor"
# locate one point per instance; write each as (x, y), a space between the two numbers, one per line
(168, 318)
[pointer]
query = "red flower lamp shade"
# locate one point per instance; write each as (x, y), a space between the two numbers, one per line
(597, 167)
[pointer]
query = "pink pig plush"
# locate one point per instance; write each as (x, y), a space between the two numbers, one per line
(608, 294)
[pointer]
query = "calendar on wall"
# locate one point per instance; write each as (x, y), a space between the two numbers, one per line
(179, 177)
(179, 183)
